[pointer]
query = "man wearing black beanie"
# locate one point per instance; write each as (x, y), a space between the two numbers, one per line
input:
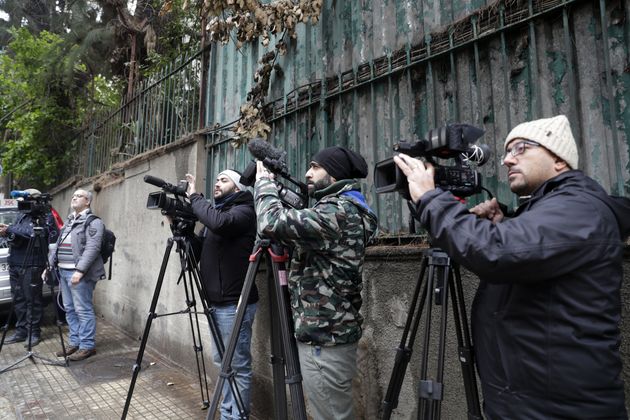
(325, 281)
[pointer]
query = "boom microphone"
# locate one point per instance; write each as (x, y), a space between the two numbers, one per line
(153, 180)
(261, 149)
(173, 189)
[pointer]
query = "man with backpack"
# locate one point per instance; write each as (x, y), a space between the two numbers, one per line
(78, 259)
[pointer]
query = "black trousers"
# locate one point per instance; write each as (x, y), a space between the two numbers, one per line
(26, 288)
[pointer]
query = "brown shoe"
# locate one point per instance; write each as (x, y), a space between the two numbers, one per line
(82, 354)
(69, 351)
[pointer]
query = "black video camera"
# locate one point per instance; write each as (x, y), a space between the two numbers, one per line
(453, 141)
(274, 161)
(37, 205)
(178, 206)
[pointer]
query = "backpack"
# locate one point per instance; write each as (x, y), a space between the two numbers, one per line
(108, 242)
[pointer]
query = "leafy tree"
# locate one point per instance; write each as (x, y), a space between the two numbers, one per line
(40, 110)
(60, 60)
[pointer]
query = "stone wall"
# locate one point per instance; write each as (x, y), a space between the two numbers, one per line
(390, 276)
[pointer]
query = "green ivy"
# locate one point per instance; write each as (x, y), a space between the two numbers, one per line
(42, 110)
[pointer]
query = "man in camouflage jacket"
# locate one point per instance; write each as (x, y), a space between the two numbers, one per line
(325, 279)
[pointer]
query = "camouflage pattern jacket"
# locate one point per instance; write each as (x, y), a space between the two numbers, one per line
(328, 242)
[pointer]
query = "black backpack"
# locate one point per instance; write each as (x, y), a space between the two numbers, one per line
(108, 242)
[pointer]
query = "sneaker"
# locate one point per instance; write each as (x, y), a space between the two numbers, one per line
(82, 354)
(15, 338)
(35, 339)
(69, 351)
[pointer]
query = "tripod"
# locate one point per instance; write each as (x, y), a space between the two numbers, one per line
(37, 243)
(443, 277)
(191, 279)
(284, 354)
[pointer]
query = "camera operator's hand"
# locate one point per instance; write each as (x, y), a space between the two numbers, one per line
(191, 184)
(420, 175)
(3, 229)
(489, 209)
(76, 277)
(262, 171)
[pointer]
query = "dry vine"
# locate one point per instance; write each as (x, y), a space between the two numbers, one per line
(252, 20)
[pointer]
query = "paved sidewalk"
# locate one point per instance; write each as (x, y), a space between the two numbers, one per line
(95, 388)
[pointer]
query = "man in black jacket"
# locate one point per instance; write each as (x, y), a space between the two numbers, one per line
(27, 260)
(228, 240)
(546, 315)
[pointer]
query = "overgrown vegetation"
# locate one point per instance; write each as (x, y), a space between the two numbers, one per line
(247, 21)
(61, 61)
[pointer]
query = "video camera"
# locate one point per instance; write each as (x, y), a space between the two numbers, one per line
(275, 161)
(178, 206)
(35, 205)
(453, 141)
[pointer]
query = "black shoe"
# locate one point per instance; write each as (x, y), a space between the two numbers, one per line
(34, 341)
(15, 338)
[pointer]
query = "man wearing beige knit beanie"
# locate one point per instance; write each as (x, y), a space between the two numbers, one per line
(546, 315)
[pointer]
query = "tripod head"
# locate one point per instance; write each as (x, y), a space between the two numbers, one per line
(183, 226)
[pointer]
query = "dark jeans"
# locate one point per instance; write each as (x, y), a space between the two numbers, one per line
(26, 288)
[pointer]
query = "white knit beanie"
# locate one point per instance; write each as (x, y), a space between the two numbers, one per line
(552, 133)
(235, 177)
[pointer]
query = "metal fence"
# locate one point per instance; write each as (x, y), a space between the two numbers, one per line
(164, 108)
(493, 66)
(370, 74)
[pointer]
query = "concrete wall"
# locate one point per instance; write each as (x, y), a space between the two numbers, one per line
(390, 275)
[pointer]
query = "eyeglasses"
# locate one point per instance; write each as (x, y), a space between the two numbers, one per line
(79, 196)
(518, 149)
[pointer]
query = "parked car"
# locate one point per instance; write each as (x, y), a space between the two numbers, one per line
(9, 214)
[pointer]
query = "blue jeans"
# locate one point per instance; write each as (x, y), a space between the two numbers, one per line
(242, 360)
(77, 301)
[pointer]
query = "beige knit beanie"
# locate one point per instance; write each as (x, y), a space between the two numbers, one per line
(552, 133)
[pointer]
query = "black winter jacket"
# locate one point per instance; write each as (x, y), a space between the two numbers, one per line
(21, 233)
(229, 240)
(546, 315)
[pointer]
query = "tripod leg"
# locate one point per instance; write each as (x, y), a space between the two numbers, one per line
(31, 288)
(464, 343)
(215, 331)
(277, 356)
(226, 368)
(431, 391)
(147, 327)
(54, 275)
(405, 348)
(193, 319)
(289, 346)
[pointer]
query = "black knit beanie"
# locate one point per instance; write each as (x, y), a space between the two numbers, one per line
(341, 163)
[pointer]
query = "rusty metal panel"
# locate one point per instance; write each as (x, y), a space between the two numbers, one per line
(372, 73)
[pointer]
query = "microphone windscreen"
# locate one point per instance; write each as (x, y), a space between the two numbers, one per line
(261, 149)
(149, 179)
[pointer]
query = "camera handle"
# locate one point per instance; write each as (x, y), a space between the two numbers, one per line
(284, 353)
(35, 245)
(442, 278)
(192, 281)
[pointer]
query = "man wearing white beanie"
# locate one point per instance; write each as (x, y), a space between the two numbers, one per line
(228, 240)
(546, 315)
